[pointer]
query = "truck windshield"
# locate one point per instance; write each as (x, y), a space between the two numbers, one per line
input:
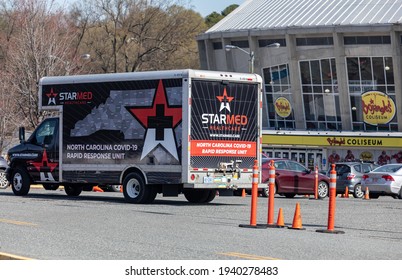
(45, 132)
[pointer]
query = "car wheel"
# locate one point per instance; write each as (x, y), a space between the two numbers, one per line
(358, 192)
(323, 190)
(265, 191)
(3, 180)
(115, 188)
(400, 193)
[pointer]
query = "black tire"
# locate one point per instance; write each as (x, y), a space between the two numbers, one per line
(358, 191)
(197, 196)
(72, 190)
(115, 188)
(3, 180)
(323, 190)
(152, 194)
(21, 183)
(265, 191)
(135, 190)
(211, 196)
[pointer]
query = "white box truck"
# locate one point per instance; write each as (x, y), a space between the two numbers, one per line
(178, 131)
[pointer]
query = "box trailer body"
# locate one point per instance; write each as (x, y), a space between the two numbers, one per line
(177, 131)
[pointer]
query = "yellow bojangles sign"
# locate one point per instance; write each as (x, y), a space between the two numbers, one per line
(378, 108)
(283, 107)
(339, 141)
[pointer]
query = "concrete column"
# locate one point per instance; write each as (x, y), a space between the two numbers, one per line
(341, 74)
(297, 95)
(397, 63)
(229, 56)
(209, 50)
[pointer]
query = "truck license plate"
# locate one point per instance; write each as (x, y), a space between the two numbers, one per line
(208, 180)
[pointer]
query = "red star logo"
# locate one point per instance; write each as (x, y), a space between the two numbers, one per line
(44, 163)
(156, 116)
(52, 97)
(225, 100)
(159, 120)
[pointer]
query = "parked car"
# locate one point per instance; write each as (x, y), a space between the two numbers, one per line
(349, 174)
(293, 178)
(384, 180)
(3, 180)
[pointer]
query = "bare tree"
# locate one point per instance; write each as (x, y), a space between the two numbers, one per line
(133, 35)
(41, 43)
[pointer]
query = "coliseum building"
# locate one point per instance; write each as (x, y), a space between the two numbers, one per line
(334, 83)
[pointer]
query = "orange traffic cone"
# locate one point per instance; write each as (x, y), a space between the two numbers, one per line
(346, 194)
(243, 193)
(297, 220)
(280, 222)
(367, 194)
(121, 188)
(97, 189)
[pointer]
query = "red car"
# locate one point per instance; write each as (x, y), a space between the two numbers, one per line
(292, 178)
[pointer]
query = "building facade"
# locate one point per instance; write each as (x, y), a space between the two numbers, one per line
(336, 75)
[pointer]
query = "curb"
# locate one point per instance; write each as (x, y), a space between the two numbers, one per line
(10, 257)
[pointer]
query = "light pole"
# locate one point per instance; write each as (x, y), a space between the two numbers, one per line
(67, 64)
(251, 53)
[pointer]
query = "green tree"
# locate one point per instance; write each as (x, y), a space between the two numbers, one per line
(214, 17)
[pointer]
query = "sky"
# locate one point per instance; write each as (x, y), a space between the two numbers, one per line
(205, 7)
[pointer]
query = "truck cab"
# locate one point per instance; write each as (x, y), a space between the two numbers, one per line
(36, 159)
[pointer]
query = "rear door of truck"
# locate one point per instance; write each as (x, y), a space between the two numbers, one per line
(225, 130)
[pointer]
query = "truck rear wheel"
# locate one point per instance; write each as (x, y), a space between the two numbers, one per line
(72, 190)
(21, 182)
(136, 191)
(199, 196)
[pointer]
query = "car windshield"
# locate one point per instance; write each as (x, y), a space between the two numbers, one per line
(279, 164)
(389, 168)
(296, 166)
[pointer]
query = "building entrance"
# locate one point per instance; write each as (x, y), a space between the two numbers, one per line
(308, 157)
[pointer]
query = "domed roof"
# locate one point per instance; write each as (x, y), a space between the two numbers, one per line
(279, 14)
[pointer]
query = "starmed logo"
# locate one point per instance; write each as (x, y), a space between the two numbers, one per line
(225, 101)
(51, 97)
(221, 121)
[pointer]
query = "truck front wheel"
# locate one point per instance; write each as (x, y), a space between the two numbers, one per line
(21, 182)
(136, 191)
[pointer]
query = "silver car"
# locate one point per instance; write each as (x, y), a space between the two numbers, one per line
(349, 174)
(384, 180)
(3, 180)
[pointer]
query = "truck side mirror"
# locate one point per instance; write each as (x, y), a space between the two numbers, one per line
(21, 135)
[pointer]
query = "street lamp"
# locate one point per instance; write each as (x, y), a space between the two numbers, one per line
(251, 53)
(67, 65)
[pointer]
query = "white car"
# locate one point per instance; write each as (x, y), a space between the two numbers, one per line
(3, 180)
(384, 180)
